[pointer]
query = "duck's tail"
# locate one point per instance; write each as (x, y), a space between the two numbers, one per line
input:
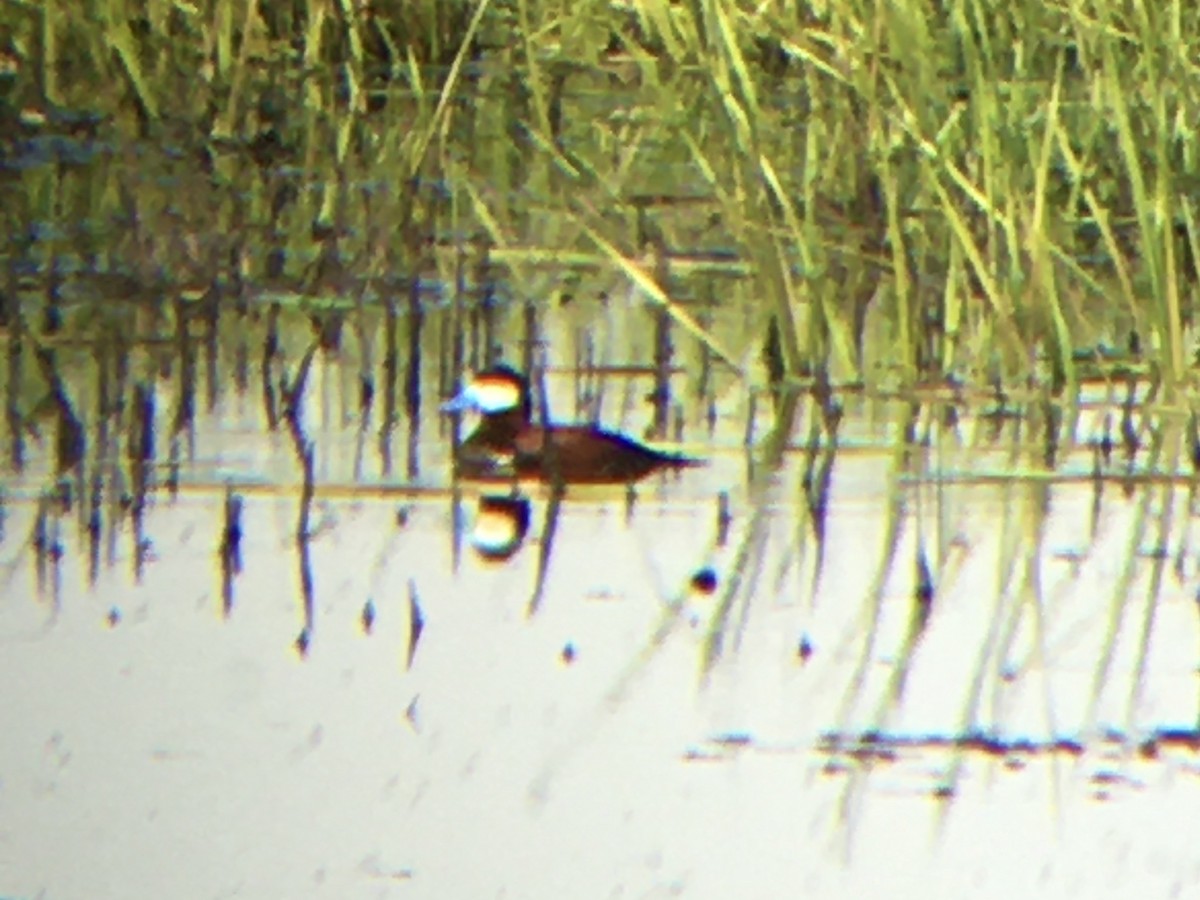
(682, 461)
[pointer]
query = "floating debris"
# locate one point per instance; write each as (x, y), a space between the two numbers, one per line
(804, 650)
(568, 654)
(113, 619)
(367, 619)
(732, 739)
(886, 746)
(704, 581)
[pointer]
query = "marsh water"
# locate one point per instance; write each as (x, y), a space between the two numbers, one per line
(256, 641)
(960, 670)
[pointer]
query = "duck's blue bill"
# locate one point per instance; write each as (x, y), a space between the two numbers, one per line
(464, 401)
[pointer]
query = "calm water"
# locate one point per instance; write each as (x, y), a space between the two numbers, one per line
(561, 735)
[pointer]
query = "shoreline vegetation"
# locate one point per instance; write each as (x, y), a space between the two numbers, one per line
(938, 191)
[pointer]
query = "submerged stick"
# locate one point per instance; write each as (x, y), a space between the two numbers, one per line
(416, 624)
(270, 352)
(70, 442)
(185, 409)
(293, 396)
(391, 369)
(412, 377)
(546, 547)
(12, 400)
(230, 550)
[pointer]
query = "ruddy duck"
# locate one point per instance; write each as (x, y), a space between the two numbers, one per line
(508, 445)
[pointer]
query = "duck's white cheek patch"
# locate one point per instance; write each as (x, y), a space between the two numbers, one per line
(494, 396)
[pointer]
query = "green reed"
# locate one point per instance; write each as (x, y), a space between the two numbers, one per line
(1018, 173)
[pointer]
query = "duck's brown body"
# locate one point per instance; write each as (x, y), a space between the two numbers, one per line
(570, 454)
(508, 445)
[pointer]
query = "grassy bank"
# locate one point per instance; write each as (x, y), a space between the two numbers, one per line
(935, 187)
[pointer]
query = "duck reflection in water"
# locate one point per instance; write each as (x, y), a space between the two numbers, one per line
(508, 445)
(501, 524)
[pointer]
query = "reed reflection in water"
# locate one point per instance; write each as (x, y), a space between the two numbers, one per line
(859, 632)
